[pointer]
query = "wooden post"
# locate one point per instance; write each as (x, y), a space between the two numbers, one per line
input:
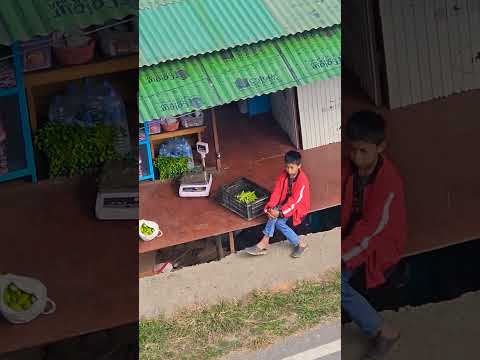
(231, 237)
(215, 139)
(220, 251)
(147, 263)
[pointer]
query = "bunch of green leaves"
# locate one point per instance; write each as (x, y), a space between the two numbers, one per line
(74, 149)
(171, 167)
(247, 197)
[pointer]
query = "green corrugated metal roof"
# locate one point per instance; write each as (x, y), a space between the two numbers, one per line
(148, 4)
(24, 19)
(192, 27)
(201, 82)
(313, 57)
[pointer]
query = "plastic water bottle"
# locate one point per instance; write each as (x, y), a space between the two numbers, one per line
(94, 101)
(116, 116)
(56, 112)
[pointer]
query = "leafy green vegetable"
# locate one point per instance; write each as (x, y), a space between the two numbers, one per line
(171, 167)
(17, 299)
(74, 149)
(147, 230)
(247, 197)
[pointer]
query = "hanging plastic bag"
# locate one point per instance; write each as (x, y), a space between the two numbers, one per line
(24, 289)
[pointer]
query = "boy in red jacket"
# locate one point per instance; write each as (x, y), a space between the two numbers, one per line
(373, 224)
(290, 199)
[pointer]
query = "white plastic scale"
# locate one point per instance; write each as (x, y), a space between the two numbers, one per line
(197, 184)
(117, 196)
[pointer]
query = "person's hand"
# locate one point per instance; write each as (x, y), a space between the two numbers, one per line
(274, 213)
(269, 213)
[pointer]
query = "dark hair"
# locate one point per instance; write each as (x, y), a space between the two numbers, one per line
(366, 126)
(293, 157)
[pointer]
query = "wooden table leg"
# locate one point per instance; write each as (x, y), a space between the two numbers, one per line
(215, 140)
(231, 237)
(220, 252)
(147, 263)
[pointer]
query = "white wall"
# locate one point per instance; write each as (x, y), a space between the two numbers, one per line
(285, 113)
(319, 106)
(432, 48)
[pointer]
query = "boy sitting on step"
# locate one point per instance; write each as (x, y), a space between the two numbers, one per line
(290, 199)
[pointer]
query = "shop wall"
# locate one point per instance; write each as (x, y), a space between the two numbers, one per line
(360, 50)
(319, 107)
(432, 48)
(284, 108)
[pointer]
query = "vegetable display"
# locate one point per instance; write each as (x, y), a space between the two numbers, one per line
(17, 299)
(147, 230)
(247, 197)
(74, 149)
(171, 167)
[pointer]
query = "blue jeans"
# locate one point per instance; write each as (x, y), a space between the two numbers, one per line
(358, 308)
(281, 225)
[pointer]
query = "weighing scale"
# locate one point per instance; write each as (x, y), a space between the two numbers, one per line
(117, 196)
(197, 183)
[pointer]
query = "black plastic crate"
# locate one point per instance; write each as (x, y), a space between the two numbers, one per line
(226, 196)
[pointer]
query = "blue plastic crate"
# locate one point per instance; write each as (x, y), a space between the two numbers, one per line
(259, 105)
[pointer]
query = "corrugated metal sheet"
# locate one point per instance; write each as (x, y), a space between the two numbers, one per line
(193, 27)
(201, 82)
(319, 106)
(24, 19)
(284, 110)
(360, 52)
(296, 16)
(149, 4)
(313, 55)
(431, 48)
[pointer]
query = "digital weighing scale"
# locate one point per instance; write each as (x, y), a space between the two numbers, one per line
(117, 196)
(198, 183)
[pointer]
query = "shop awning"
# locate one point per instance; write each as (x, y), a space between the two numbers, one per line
(21, 20)
(204, 81)
(185, 28)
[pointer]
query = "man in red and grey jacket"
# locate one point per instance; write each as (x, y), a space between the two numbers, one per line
(373, 224)
(290, 199)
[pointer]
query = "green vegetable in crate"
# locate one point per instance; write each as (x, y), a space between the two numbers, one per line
(17, 299)
(247, 197)
(147, 230)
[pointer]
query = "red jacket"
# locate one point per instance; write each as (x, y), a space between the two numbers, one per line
(378, 238)
(297, 206)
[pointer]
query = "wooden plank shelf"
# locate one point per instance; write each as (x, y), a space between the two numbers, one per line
(98, 67)
(182, 132)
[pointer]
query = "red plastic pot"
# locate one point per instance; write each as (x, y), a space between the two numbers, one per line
(75, 55)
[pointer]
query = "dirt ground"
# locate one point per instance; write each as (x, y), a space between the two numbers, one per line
(237, 275)
(442, 331)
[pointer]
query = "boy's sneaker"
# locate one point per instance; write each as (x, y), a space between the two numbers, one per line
(255, 250)
(298, 251)
(381, 347)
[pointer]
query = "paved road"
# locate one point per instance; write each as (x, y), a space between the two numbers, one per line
(319, 344)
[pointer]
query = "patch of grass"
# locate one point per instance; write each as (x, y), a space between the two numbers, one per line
(252, 323)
